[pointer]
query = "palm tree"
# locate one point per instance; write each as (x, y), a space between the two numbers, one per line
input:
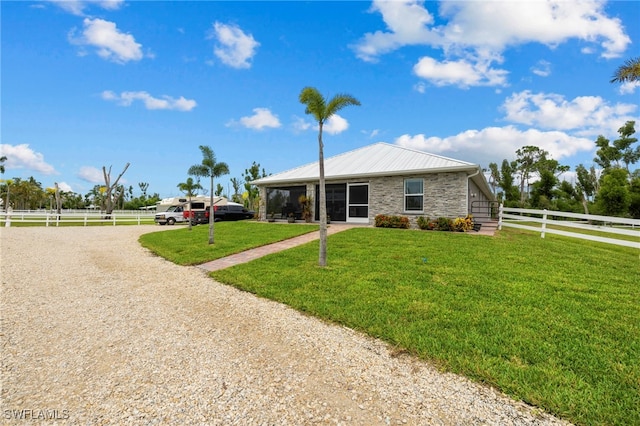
(322, 111)
(189, 188)
(628, 72)
(212, 169)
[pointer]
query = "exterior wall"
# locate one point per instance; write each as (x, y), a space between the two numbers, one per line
(445, 195)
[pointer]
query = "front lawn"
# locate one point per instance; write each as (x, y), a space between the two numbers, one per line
(554, 322)
(186, 247)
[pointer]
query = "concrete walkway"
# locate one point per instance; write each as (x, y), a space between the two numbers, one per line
(249, 255)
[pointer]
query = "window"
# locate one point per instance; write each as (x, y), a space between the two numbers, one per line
(413, 195)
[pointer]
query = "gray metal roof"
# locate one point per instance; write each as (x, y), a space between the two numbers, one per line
(380, 159)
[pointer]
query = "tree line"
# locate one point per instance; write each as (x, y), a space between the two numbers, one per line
(532, 180)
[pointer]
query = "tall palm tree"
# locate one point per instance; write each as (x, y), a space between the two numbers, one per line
(212, 169)
(189, 188)
(322, 110)
(628, 72)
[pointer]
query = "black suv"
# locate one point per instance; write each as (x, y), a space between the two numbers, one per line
(232, 212)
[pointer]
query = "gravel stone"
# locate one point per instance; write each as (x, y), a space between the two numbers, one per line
(95, 330)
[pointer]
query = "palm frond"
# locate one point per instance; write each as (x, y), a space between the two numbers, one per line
(628, 72)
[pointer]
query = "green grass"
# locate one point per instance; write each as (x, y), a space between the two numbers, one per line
(554, 322)
(186, 247)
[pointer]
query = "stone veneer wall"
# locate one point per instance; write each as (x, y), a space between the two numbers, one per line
(445, 195)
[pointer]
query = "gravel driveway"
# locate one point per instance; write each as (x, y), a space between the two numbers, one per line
(96, 330)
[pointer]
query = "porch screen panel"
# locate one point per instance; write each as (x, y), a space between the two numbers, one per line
(359, 200)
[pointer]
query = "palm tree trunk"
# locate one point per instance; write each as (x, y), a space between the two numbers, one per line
(211, 212)
(322, 258)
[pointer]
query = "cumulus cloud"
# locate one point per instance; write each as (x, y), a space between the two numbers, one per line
(629, 87)
(111, 44)
(461, 73)
(234, 47)
(150, 102)
(77, 7)
(91, 175)
(583, 115)
(487, 145)
(477, 33)
(261, 119)
(334, 125)
(64, 186)
(23, 157)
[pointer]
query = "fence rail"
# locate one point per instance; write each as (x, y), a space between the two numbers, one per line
(591, 223)
(84, 218)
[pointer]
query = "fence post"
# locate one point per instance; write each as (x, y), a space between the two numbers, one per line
(500, 217)
(544, 223)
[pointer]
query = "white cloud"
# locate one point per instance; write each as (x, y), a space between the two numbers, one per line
(370, 134)
(335, 124)
(234, 48)
(261, 119)
(629, 87)
(91, 175)
(584, 115)
(493, 144)
(111, 44)
(477, 33)
(64, 186)
(77, 7)
(165, 102)
(301, 125)
(407, 23)
(23, 157)
(542, 68)
(461, 73)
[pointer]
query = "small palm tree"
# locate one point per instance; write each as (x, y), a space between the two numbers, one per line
(322, 110)
(212, 169)
(189, 188)
(628, 72)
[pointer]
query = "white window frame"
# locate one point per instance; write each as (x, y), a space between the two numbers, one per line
(358, 219)
(407, 194)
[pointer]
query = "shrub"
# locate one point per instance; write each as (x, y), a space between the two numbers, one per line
(389, 221)
(463, 224)
(423, 222)
(444, 224)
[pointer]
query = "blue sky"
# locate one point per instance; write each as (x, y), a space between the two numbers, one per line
(104, 83)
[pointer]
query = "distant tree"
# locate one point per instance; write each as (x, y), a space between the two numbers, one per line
(585, 186)
(219, 190)
(109, 187)
(506, 182)
(212, 169)
(628, 72)
(621, 153)
(527, 162)
(236, 197)
(321, 110)
(2, 161)
(190, 189)
(634, 192)
(614, 198)
(249, 175)
(494, 177)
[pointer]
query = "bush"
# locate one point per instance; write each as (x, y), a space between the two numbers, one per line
(423, 222)
(389, 221)
(445, 224)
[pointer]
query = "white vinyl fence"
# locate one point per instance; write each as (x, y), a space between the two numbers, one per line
(517, 218)
(76, 217)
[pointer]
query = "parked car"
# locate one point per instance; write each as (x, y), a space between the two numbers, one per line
(232, 211)
(172, 215)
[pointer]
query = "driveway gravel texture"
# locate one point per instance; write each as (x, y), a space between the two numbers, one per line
(97, 330)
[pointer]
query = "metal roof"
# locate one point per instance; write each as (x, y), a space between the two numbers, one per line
(379, 159)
